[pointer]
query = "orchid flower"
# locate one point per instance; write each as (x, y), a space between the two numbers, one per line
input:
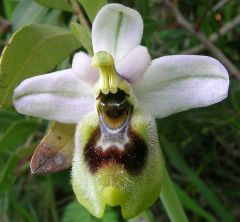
(114, 98)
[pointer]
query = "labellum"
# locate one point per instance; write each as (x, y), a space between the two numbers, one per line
(116, 148)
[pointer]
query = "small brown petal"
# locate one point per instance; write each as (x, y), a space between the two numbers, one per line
(55, 151)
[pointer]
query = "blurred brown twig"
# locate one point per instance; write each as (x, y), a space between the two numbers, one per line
(77, 9)
(215, 36)
(4, 25)
(203, 39)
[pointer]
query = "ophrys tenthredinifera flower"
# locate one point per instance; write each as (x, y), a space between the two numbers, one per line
(113, 98)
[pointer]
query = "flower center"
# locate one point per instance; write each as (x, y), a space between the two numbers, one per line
(114, 109)
(110, 81)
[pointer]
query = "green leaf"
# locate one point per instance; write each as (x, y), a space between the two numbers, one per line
(33, 50)
(142, 6)
(191, 204)
(52, 18)
(206, 192)
(23, 213)
(16, 134)
(8, 8)
(144, 216)
(110, 215)
(7, 176)
(83, 35)
(28, 12)
(58, 4)
(7, 117)
(92, 7)
(75, 212)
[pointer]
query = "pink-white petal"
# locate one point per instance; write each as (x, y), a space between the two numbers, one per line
(83, 70)
(58, 96)
(134, 64)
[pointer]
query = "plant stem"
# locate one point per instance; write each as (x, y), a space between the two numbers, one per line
(79, 14)
(171, 201)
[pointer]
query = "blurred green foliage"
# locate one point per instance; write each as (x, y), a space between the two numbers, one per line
(202, 147)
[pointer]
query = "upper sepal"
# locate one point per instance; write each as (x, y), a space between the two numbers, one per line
(117, 30)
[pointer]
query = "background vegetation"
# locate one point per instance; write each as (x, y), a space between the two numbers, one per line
(202, 146)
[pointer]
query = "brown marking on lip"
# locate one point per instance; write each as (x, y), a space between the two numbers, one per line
(132, 158)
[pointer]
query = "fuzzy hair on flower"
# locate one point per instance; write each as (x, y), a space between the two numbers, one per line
(114, 98)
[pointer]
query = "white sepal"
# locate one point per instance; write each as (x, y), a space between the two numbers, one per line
(117, 30)
(173, 84)
(58, 96)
